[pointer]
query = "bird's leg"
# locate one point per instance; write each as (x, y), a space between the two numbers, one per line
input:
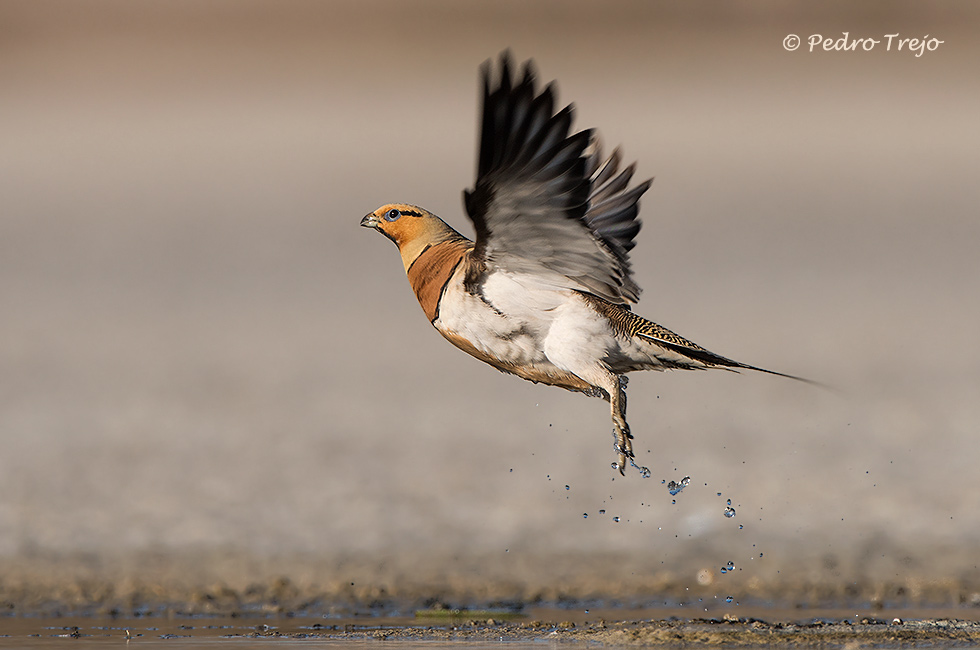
(612, 387)
(623, 444)
(621, 433)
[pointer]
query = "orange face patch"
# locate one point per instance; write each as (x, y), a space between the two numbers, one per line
(413, 229)
(400, 222)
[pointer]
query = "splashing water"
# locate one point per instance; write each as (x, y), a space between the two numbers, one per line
(644, 471)
(675, 488)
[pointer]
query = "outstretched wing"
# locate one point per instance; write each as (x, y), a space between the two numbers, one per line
(545, 201)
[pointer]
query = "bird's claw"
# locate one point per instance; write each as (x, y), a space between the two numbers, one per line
(623, 447)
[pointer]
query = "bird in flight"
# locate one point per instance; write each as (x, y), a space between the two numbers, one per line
(544, 291)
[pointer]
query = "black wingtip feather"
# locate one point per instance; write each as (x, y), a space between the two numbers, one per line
(522, 136)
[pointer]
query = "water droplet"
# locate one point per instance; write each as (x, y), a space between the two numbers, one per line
(614, 465)
(729, 599)
(674, 487)
(724, 570)
(645, 472)
(602, 512)
(740, 526)
(567, 488)
(729, 502)
(616, 519)
(729, 512)
(585, 515)
(718, 493)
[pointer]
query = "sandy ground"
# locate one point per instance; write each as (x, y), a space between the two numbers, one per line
(725, 631)
(212, 380)
(730, 631)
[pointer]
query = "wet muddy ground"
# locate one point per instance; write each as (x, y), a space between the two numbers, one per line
(729, 631)
(473, 629)
(43, 607)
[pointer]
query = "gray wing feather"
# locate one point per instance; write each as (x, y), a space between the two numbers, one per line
(545, 200)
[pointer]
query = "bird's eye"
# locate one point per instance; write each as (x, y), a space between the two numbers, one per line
(392, 215)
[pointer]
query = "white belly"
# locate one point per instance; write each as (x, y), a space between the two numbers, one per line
(510, 321)
(540, 332)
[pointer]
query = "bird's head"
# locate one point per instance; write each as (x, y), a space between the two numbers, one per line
(411, 228)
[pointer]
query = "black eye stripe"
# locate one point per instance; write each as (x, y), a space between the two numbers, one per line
(394, 214)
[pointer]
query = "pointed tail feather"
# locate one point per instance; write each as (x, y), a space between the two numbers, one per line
(629, 324)
(696, 352)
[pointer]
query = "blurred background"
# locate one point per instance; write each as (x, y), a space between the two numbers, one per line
(210, 375)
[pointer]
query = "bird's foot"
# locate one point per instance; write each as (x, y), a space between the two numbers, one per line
(623, 446)
(620, 464)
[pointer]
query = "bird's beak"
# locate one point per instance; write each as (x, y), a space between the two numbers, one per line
(370, 221)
